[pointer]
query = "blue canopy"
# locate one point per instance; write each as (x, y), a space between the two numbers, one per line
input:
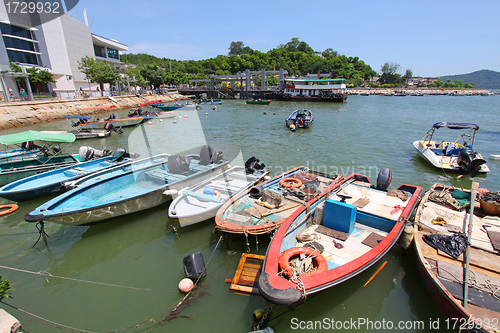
(455, 125)
(77, 117)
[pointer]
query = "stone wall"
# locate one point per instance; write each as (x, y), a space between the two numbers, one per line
(18, 114)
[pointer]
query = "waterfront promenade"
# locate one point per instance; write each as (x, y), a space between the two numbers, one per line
(17, 114)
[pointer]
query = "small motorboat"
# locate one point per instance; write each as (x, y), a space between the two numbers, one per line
(262, 209)
(202, 201)
(116, 122)
(210, 101)
(170, 107)
(108, 196)
(299, 119)
(167, 114)
(49, 157)
(346, 230)
(51, 182)
(458, 155)
(456, 243)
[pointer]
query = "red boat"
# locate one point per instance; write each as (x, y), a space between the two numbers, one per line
(262, 209)
(348, 229)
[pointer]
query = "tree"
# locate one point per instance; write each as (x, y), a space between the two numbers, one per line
(236, 48)
(389, 73)
(39, 77)
(97, 71)
(154, 74)
(329, 53)
(5, 289)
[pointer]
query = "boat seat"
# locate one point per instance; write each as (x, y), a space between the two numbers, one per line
(339, 216)
(161, 177)
(74, 172)
(105, 164)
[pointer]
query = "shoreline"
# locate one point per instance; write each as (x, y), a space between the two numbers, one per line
(18, 114)
(419, 91)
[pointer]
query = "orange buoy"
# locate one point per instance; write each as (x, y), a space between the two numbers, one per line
(10, 208)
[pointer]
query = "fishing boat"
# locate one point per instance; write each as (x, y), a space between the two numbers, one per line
(312, 90)
(458, 156)
(49, 157)
(462, 279)
(52, 181)
(26, 150)
(202, 201)
(170, 107)
(116, 122)
(299, 119)
(167, 114)
(210, 101)
(259, 101)
(86, 133)
(349, 228)
(128, 192)
(262, 209)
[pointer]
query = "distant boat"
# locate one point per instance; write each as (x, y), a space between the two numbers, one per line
(312, 90)
(170, 107)
(132, 191)
(202, 201)
(345, 231)
(259, 102)
(301, 118)
(116, 122)
(210, 101)
(457, 155)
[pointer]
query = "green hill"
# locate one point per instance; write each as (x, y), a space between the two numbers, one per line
(483, 79)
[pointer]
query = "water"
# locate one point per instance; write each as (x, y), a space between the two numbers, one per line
(135, 262)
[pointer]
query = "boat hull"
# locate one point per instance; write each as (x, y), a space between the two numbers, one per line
(115, 196)
(187, 210)
(350, 256)
(121, 122)
(289, 98)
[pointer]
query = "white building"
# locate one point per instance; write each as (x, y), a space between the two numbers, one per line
(57, 45)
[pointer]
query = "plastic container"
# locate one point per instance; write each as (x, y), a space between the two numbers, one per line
(194, 266)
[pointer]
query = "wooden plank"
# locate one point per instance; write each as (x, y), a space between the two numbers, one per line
(246, 275)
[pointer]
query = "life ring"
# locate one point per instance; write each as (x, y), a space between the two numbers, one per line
(318, 260)
(297, 182)
(11, 208)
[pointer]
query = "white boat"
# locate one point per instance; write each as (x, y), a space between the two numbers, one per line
(312, 90)
(202, 201)
(456, 156)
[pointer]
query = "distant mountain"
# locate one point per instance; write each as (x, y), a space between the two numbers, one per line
(483, 79)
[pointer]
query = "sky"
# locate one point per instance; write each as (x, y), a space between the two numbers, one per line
(431, 38)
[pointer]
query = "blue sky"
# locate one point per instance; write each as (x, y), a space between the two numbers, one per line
(432, 38)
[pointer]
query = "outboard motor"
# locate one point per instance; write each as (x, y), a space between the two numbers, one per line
(56, 149)
(208, 155)
(29, 145)
(86, 153)
(252, 164)
(468, 162)
(119, 154)
(384, 179)
(111, 127)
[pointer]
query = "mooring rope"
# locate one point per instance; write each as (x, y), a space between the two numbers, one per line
(47, 274)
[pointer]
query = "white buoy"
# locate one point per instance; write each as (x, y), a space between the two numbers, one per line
(206, 113)
(161, 120)
(175, 121)
(185, 285)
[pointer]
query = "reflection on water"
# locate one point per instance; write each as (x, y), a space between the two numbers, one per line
(142, 250)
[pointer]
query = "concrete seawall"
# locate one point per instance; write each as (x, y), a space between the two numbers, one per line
(18, 114)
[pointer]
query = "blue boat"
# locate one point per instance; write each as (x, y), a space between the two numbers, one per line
(130, 191)
(51, 182)
(170, 107)
(47, 159)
